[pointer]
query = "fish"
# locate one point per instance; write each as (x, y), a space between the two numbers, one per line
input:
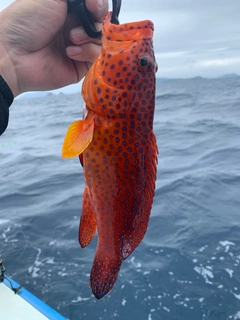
(117, 148)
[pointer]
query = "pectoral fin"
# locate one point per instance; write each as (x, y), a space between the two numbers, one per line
(78, 137)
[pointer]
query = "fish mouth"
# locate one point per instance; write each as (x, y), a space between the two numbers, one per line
(127, 31)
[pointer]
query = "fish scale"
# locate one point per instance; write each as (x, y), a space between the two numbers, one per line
(117, 148)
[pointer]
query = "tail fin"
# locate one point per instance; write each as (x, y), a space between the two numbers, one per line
(104, 272)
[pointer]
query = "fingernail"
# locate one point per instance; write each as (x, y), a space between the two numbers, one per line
(78, 34)
(100, 4)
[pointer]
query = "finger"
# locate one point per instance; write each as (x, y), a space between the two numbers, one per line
(87, 52)
(78, 36)
(98, 8)
(71, 23)
(81, 69)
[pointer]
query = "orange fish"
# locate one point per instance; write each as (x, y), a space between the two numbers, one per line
(117, 148)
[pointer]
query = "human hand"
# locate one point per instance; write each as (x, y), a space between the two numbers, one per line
(38, 41)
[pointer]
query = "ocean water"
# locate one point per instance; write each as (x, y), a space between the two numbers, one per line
(187, 266)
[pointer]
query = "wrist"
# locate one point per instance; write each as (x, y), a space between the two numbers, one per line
(7, 70)
(8, 75)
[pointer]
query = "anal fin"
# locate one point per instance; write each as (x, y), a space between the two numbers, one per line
(88, 225)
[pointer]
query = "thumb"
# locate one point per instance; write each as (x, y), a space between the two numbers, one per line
(98, 8)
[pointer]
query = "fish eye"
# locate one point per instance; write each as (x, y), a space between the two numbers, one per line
(143, 61)
(144, 64)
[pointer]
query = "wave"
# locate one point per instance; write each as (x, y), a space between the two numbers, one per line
(178, 96)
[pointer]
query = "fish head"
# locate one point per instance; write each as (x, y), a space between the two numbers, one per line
(124, 72)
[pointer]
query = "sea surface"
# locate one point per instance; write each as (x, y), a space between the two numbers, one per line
(188, 265)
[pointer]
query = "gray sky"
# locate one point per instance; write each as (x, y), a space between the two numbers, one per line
(191, 38)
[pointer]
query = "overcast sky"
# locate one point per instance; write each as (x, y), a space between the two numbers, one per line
(192, 38)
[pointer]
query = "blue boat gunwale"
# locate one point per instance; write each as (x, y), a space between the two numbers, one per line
(38, 304)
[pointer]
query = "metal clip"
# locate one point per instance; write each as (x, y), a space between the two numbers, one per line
(115, 11)
(86, 19)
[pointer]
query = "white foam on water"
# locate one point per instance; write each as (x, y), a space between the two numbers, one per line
(62, 274)
(205, 273)
(50, 261)
(166, 309)
(4, 221)
(203, 248)
(230, 272)
(80, 299)
(227, 248)
(38, 264)
(209, 267)
(237, 316)
(227, 243)
(34, 271)
(135, 264)
(237, 296)
(124, 302)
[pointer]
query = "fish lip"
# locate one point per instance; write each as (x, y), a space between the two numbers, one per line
(127, 31)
